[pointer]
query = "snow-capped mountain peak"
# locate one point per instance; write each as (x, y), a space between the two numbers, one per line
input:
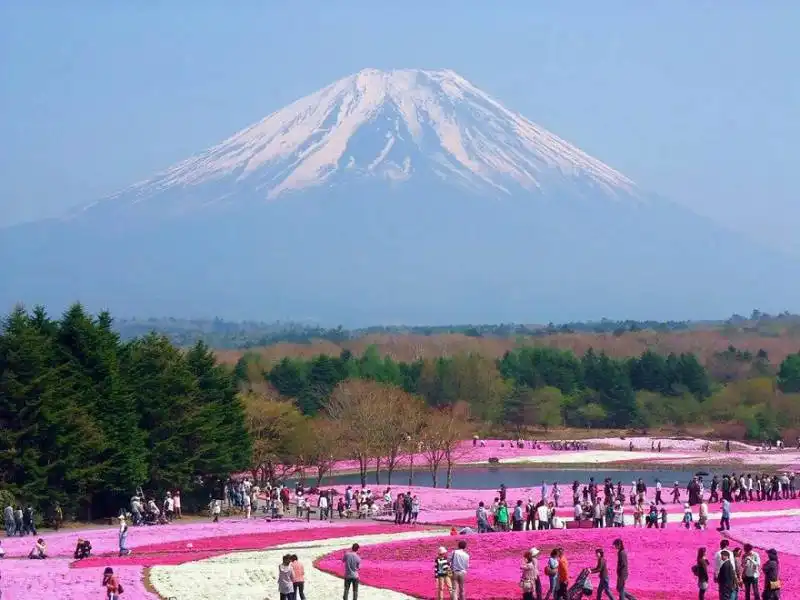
(393, 125)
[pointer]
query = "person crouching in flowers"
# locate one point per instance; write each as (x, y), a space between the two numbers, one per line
(529, 582)
(112, 584)
(443, 574)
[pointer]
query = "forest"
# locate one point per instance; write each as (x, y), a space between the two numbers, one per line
(549, 388)
(87, 416)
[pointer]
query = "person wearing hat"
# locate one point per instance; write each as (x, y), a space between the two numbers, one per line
(443, 574)
(529, 581)
(123, 536)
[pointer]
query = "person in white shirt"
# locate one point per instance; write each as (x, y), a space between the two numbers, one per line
(176, 504)
(659, 500)
(543, 516)
(459, 563)
(248, 505)
(723, 546)
(323, 506)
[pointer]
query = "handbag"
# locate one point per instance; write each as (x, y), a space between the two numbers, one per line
(775, 585)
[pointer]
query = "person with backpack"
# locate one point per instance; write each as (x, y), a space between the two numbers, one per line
(529, 580)
(700, 570)
(551, 570)
(772, 581)
(112, 584)
(751, 567)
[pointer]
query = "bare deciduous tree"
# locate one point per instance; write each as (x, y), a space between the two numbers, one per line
(356, 407)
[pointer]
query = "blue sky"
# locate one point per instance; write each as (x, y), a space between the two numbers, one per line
(697, 100)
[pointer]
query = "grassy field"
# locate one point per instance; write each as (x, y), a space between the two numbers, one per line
(704, 343)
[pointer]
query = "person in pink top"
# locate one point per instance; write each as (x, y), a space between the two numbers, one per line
(298, 577)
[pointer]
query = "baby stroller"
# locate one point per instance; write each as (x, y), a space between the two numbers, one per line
(582, 586)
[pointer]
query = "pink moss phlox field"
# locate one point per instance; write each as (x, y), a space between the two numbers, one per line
(660, 561)
(53, 579)
(106, 539)
(467, 453)
(781, 534)
(177, 552)
(56, 577)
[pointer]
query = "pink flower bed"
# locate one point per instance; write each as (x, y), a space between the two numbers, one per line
(780, 534)
(467, 453)
(53, 579)
(179, 552)
(660, 561)
(56, 577)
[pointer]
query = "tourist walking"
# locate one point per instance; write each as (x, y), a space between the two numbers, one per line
(8, 517)
(700, 570)
(622, 571)
(352, 562)
(298, 577)
(285, 583)
(459, 562)
(562, 585)
(725, 519)
(604, 584)
(751, 568)
(443, 574)
(123, 536)
(551, 570)
(529, 579)
(772, 581)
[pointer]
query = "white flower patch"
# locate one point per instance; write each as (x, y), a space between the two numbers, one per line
(253, 575)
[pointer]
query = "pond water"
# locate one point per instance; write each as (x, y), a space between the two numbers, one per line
(490, 478)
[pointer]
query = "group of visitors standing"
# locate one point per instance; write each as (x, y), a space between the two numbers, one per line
(19, 521)
(737, 569)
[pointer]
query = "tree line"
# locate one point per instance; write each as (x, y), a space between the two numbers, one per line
(548, 388)
(86, 418)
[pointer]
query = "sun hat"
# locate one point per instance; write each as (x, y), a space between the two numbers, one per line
(534, 551)
(442, 550)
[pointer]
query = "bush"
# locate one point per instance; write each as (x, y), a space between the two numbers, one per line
(7, 499)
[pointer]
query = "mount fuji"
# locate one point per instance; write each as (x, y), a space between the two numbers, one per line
(407, 196)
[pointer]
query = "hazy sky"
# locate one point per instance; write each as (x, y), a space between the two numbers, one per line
(697, 100)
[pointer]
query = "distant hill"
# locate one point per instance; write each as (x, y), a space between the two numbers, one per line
(776, 335)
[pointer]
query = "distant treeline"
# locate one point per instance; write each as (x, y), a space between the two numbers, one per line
(546, 387)
(222, 334)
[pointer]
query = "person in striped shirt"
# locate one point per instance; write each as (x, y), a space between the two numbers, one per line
(443, 574)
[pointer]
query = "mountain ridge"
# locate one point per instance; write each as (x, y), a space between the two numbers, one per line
(519, 227)
(428, 120)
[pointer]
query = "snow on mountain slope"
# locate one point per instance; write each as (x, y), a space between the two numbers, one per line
(393, 125)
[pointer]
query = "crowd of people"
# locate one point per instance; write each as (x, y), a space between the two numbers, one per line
(145, 511)
(737, 570)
